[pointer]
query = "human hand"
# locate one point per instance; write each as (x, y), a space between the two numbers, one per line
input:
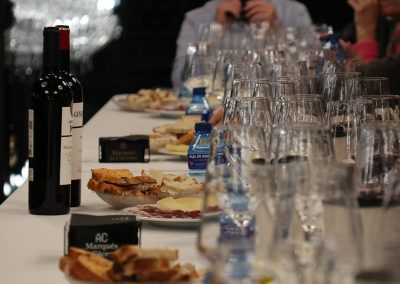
(366, 14)
(260, 11)
(227, 11)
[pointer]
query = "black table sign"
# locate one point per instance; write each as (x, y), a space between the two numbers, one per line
(101, 234)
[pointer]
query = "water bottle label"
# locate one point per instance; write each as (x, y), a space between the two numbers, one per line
(220, 159)
(197, 161)
(230, 231)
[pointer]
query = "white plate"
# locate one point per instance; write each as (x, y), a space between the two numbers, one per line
(122, 103)
(166, 113)
(167, 152)
(175, 222)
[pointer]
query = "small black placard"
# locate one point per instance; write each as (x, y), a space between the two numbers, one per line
(133, 148)
(101, 234)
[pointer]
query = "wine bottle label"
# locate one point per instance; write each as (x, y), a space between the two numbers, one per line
(30, 174)
(77, 122)
(66, 146)
(30, 133)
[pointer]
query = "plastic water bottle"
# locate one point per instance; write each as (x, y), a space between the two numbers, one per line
(199, 104)
(199, 150)
(332, 54)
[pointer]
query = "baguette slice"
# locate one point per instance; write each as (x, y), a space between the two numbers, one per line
(111, 175)
(130, 252)
(90, 267)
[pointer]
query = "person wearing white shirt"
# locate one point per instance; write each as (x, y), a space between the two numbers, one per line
(284, 13)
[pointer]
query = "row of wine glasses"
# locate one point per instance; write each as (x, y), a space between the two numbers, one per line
(298, 188)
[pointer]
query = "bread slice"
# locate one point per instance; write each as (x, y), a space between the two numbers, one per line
(90, 267)
(182, 184)
(111, 175)
(130, 252)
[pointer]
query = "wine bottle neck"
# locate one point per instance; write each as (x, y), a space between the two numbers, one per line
(64, 60)
(64, 48)
(51, 53)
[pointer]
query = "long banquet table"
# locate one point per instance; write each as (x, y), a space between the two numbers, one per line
(30, 246)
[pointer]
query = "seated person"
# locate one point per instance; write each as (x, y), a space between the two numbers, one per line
(285, 13)
(385, 67)
(366, 14)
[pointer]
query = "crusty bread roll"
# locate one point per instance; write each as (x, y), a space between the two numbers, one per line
(121, 182)
(127, 263)
(90, 267)
(110, 175)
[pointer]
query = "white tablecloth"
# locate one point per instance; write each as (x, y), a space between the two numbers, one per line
(30, 246)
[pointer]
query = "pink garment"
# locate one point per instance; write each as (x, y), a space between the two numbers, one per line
(367, 50)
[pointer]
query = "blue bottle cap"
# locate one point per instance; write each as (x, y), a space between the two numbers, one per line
(203, 126)
(200, 91)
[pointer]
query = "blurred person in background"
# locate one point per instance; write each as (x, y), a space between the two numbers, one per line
(281, 13)
(366, 19)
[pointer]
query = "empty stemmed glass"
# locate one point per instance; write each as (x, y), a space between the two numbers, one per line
(240, 71)
(341, 221)
(340, 86)
(248, 111)
(199, 66)
(298, 108)
(289, 69)
(376, 177)
(386, 106)
(281, 88)
(375, 86)
(229, 209)
(301, 144)
(344, 119)
(306, 85)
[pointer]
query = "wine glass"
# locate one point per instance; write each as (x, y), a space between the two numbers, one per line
(229, 207)
(289, 69)
(240, 71)
(344, 119)
(306, 85)
(342, 86)
(248, 111)
(386, 106)
(298, 108)
(281, 88)
(246, 146)
(374, 86)
(376, 175)
(341, 221)
(199, 66)
(300, 144)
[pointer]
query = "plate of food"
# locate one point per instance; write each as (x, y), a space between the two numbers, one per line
(144, 99)
(120, 188)
(166, 113)
(175, 110)
(160, 140)
(172, 211)
(175, 150)
(127, 264)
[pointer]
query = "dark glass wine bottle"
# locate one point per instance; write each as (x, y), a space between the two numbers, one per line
(50, 135)
(77, 113)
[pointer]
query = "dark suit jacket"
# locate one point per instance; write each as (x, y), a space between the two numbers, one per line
(385, 67)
